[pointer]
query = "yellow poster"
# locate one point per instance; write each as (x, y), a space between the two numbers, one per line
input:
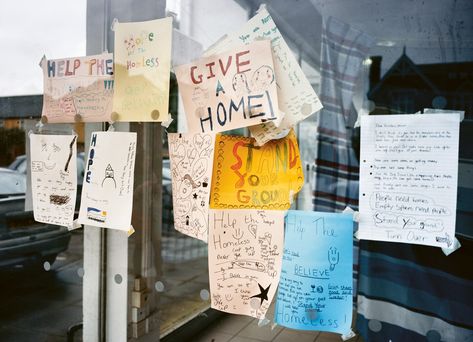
(142, 70)
(258, 177)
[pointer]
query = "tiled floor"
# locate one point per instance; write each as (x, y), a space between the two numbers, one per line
(236, 328)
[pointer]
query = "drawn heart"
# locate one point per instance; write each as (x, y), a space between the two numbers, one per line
(198, 141)
(183, 208)
(207, 141)
(199, 168)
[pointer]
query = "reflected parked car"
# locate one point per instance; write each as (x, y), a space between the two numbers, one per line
(20, 164)
(22, 240)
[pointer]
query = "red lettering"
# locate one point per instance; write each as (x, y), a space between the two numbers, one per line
(193, 78)
(240, 63)
(210, 65)
(76, 65)
(292, 154)
(224, 70)
(235, 167)
(68, 72)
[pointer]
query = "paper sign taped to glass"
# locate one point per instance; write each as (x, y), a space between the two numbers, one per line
(230, 90)
(142, 70)
(258, 177)
(408, 178)
(107, 190)
(53, 178)
(316, 285)
(245, 254)
(78, 89)
(191, 158)
(296, 97)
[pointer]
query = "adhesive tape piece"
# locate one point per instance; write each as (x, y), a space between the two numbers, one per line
(167, 123)
(130, 231)
(348, 335)
(456, 245)
(74, 225)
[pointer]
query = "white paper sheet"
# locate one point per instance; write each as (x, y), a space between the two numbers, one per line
(296, 97)
(191, 157)
(53, 177)
(229, 90)
(245, 256)
(408, 178)
(107, 190)
(78, 89)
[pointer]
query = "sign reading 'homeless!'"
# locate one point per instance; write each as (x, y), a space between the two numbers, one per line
(230, 90)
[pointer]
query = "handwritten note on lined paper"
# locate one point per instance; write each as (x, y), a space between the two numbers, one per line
(245, 254)
(315, 289)
(408, 178)
(191, 156)
(53, 178)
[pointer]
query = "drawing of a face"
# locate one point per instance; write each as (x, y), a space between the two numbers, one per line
(240, 84)
(200, 97)
(262, 78)
(48, 152)
(186, 187)
(130, 44)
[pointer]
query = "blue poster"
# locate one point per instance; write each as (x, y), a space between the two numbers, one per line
(316, 285)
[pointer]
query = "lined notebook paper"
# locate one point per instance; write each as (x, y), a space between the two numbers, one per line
(408, 178)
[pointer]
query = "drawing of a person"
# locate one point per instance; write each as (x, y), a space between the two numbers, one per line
(200, 98)
(186, 187)
(240, 84)
(262, 78)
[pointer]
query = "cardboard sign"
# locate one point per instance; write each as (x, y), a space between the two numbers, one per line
(257, 177)
(191, 156)
(408, 178)
(53, 178)
(296, 97)
(316, 285)
(78, 89)
(245, 253)
(142, 70)
(107, 190)
(230, 90)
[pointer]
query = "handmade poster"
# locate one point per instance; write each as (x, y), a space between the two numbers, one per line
(107, 190)
(191, 158)
(53, 178)
(245, 254)
(142, 69)
(258, 177)
(316, 285)
(408, 178)
(296, 97)
(229, 90)
(78, 89)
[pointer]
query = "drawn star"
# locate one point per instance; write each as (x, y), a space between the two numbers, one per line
(194, 195)
(263, 293)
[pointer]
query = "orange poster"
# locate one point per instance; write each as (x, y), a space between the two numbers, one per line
(258, 177)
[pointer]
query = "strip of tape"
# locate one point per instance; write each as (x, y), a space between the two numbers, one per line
(74, 225)
(167, 123)
(456, 245)
(348, 335)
